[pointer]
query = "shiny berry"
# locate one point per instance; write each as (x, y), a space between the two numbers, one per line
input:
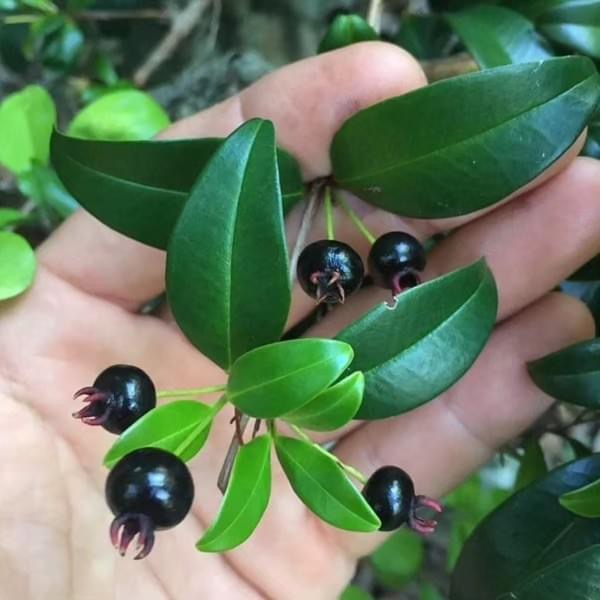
(391, 494)
(329, 271)
(147, 490)
(395, 260)
(120, 395)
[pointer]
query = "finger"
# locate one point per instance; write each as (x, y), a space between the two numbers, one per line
(440, 443)
(307, 101)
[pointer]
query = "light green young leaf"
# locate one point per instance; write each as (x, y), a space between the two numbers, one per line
(17, 265)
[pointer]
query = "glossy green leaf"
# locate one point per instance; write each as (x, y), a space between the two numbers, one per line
(279, 378)
(399, 559)
(531, 548)
(589, 272)
(592, 143)
(26, 121)
(465, 143)
(180, 427)
(575, 25)
(533, 464)
(412, 353)
(424, 36)
(139, 188)
(17, 265)
(119, 116)
(10, 217)
(227, 264)
(570, 375)
(497, 36)
(585, 501)
(322, 485)
(346, 30)
(333, 407)
(246, 498)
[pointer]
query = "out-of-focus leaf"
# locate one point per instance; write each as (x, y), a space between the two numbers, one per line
(17, 265)
(424, 36)
(346, 30)
(398, 560)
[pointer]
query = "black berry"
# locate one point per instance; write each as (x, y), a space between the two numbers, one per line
(147, 490)
(120, 395)
(391, 494)
(395, 260)
(329, 271)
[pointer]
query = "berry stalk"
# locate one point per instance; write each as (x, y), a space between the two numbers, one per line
(356, 220)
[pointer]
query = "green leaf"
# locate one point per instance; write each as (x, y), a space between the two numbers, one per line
(45, 6)
(575, 25)
(465, 143)
(585, 501)
(26, 121)
(322, 485)
(123, 115)
(399, 559)
(424, 36)
(273, 380)
(353, 592)
(534, 8)
(139, 188)
(412, 353)
(245, 500)
(445, 5)
(533, 464)
(592, 144)
(497, 36)
(56, 41)
(531, 548)
(43, 186)
(570, 375)
(346, 30)
(180, 427)
(17, 265)
(589, 272)
(429, 592)
(227, 264)
(333, 407)
(10, 217)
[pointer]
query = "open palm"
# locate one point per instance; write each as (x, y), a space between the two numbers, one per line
(80, 317)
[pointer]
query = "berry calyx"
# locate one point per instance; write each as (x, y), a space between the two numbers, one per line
(395, 261)
(120, 395)
(329, 271)
(147, 490)
(390, 492)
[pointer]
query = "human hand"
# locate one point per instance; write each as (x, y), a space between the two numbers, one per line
(80, 317)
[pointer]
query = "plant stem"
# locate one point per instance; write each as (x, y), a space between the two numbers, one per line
(234, 445)
(329, 227)
(191, 392)
(93, 15)
(374, 14)
(356, 220)
(349, 470)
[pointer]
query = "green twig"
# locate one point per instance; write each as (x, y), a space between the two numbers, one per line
(191, 392)
(356, 220)
(329, 215)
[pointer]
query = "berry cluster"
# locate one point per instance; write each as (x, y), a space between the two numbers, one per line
(151, 489)
(329, 270)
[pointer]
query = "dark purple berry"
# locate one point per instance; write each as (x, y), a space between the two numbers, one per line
(147, 490)
(329, 271)
(395, 261)
(120, 395)
(390, 492)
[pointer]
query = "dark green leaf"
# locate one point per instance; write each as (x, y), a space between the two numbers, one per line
(534, 8)
(57, 41)
(414, 352)
(429, 592)
(139, 188)
(465, 143)
(322, 485)
(531, 548)
(10, 216)
(333, 407)
(346, 30)
(585, 501)
(589, 272)
(497, 36)
(227, 264)
(276, 379)
(355, 593)
(245, 500)
(180, 427)
(570, 375)
(592, 143)
(398, 560)
(424, 36)
(533, 464)
(121, 115)
(575, 25)
(17, 265)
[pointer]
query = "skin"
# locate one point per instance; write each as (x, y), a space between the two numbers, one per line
(78, 318)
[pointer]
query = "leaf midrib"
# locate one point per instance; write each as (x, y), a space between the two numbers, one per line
(464, 141)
